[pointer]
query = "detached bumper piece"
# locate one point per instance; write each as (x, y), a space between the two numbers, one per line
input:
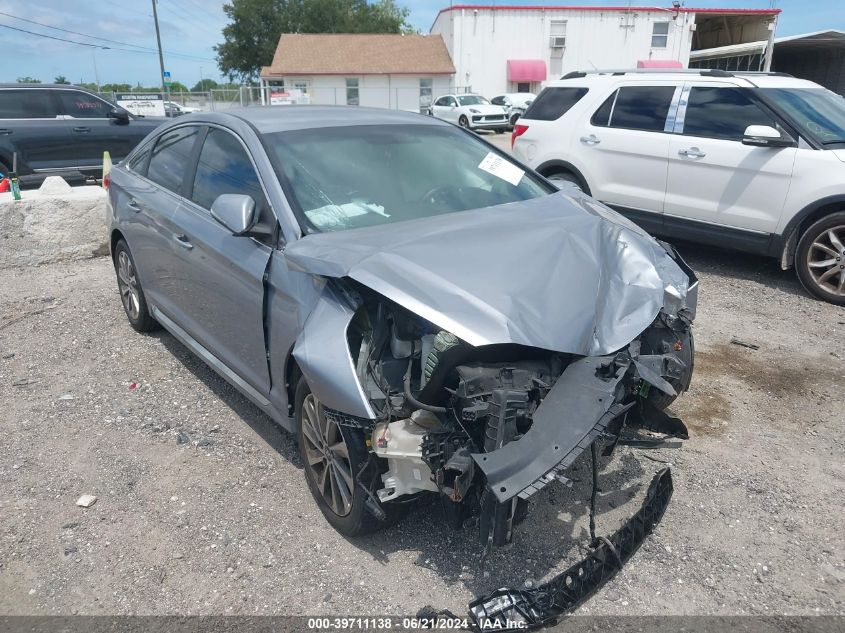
(511, 609)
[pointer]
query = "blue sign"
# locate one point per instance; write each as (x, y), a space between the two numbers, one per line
(167, 81)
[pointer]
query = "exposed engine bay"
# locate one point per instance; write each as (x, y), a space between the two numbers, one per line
(486, 427)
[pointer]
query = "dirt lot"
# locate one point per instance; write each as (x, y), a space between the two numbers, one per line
(203, 508)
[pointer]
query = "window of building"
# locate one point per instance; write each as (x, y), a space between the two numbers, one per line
(27, 103)
(557, 36)
(660, 35)
(636, 108)
(171, 156)
(426, 85)
(225, 167)
(352, 92)
(553, 103)
(722, 113)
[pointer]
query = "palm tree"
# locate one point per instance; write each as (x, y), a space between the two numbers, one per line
(61, 79)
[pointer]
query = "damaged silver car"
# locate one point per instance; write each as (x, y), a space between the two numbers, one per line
(429, 316)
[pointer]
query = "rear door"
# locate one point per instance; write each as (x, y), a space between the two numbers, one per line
(713, 178)
(94, 132)
(31, 127)
(218, 278)
(626, 142)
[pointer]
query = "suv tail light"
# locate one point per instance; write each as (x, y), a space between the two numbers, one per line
(518, 130)
(106, 181)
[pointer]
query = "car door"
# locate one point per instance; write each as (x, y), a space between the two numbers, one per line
(152, 196)
(31, 127)
(714, 178)
(626, 143)
(446, 108)
(218, 278)
(93, 131)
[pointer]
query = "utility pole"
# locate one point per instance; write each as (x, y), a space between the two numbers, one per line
(164, 90)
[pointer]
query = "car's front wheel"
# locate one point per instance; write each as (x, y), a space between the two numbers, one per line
(131, 294)
(332, 457)
(463, 121)
(820, 258)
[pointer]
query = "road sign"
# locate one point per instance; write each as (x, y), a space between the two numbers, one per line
(167, 80)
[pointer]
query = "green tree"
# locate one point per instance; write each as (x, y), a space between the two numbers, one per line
(28, 80)
(254, 27)
(178, 86)
(205, 85)
(61, 79)
(116, 88)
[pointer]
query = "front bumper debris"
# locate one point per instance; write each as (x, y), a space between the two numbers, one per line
(507, 609)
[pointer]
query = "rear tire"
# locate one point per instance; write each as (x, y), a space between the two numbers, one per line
(331, 456)
(820, 259)
(566, 177)
(131, 294)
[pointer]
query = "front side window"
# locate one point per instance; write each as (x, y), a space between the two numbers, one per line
(81, 105)
(659, 35)
(722, 113)
(553, 103)
(468, 100)
(636, 108)
(225, 167)
(443, 101)
(352, 92)
(27, 104)
(349, 177)
(817, 112)
(171, 156)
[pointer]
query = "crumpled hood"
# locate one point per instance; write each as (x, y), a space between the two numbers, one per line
(561, 272)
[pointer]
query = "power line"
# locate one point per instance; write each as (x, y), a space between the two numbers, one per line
(144, 49)
(182, 14)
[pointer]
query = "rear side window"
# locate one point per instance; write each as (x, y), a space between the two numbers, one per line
(225, 167)
(553, 103)
(171, 156)
(636, 108)
(27, 104)
(722, 113)
(138, 162)
(81, 105)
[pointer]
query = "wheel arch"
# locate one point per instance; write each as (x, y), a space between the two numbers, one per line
(557, 165)
(116, 236)
(784, 247)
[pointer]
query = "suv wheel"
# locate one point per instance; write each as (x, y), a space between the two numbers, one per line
(565, 177)
(463, 121)
(131, 293)
(820, 258)
(332, 457)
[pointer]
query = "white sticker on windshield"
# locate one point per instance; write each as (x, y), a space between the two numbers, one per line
(501, 168)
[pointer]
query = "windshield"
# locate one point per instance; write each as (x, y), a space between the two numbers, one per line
(466, 100)
(816, 111)
(350, 177)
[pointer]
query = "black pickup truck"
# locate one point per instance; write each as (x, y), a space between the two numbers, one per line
(64, 130)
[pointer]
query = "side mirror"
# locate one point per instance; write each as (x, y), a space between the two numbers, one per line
(119, 115)
(766, 136)
(234, 211)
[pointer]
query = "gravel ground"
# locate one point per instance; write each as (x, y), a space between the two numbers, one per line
(202, 506)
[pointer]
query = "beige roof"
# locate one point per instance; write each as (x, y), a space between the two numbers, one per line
(364, 54)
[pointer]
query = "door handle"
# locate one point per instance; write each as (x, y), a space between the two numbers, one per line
(5, 131)
(133, 204)
(592, 139)
(692, 152)
(82, 130)
(183, 241)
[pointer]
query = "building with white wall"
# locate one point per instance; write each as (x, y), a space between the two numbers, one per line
(498, 48)
(388, 71)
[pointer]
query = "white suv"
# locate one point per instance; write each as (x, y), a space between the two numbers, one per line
(750, 161)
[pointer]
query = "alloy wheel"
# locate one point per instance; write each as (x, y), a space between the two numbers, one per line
(128, 284)
(826, 260)
(327, 456)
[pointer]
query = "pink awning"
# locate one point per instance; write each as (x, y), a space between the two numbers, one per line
(659, 63)
(526, 70)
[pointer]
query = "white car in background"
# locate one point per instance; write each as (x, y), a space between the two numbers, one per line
(516, 103)
(177, 109)
(470, 111)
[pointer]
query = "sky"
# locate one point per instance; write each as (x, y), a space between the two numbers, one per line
(190, 28)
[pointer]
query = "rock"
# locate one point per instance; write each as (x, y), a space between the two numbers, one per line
(182, 438)
(86, 501)
(67, 396)
(70, 525)
(71, 550)
(204, 441)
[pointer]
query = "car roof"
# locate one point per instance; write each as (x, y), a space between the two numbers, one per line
(748, 79)
(34, 86)
(271, 119)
